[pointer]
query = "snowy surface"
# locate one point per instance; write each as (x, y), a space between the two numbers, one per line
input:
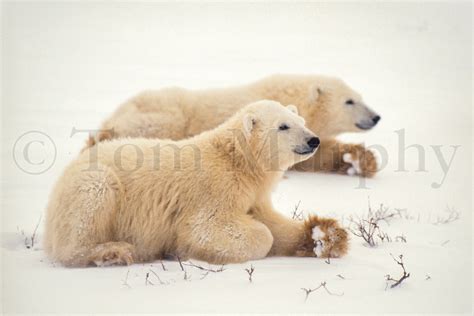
(69, 65)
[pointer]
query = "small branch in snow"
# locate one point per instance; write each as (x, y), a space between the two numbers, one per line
(30, 241)
(383, 213)
(250, 272)
(401, 238)
(125, 281)
(308, 292)
(158, 278)
(404, 276)
(368, 227)
(322, 285)
(428, 277)
(452, 216)
(163, 266)
(180, 263)
(34, 232)
(340, 276)
(445, 242)
(147, 281)
(191, 264)
(298, 215)
(365, 229)
(328, 259)
(186, 277)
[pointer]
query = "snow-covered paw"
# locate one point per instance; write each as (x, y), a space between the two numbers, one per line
(328, 244)
(324, 238)
(359, 161)
(355, 164)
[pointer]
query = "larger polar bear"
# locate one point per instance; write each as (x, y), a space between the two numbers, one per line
(329, 106)
(208, 197)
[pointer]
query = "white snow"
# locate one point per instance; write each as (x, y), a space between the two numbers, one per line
(69, 65)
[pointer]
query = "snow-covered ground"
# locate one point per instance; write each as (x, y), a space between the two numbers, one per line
(69, 65)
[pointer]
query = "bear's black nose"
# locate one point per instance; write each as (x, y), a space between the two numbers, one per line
(313, 142)
(375, 119)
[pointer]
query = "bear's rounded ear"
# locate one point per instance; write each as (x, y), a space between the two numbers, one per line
(248, 123)
(314, 93)
(292, 108)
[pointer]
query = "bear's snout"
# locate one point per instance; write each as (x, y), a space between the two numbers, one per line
(376, 119)
(313, 142)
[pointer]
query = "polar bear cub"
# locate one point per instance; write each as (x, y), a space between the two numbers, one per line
(207, 197)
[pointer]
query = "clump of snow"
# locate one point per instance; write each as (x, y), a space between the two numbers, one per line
(355, 169)
(318, 236)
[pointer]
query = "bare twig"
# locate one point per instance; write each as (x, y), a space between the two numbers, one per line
(204, 275)
(125, 281)
(383, 213)
(147, 281)
(404, 276)
(180, 263)
(30, 241)
(298, 215)
(308, 292)
(401, 238)
(340, 276)
(191, 264)
(383, 236)
(452, 216)
(250, 272)
(186, 277)
(34, 232)
(322, 285)
(365, 229)
(368, 227)
(163, 266)
(159, 279)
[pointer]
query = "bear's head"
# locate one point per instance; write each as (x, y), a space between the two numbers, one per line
(329, 106)
(276, 135)
(332, 108)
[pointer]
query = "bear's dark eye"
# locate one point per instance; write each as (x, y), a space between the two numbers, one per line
(283, 127)
(350, 101)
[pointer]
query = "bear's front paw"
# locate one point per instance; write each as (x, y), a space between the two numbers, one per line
(323, 238)
(359, 161)
(113, 253)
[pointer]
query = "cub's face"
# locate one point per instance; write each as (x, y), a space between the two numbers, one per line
(278, 135)
(344, 109)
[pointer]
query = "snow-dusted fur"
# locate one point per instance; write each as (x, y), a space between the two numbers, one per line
(208, 197)
(329, 106)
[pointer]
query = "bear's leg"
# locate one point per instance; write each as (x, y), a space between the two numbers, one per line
(81, 216)
(333, 156)
(314, 237)
(229, 239)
